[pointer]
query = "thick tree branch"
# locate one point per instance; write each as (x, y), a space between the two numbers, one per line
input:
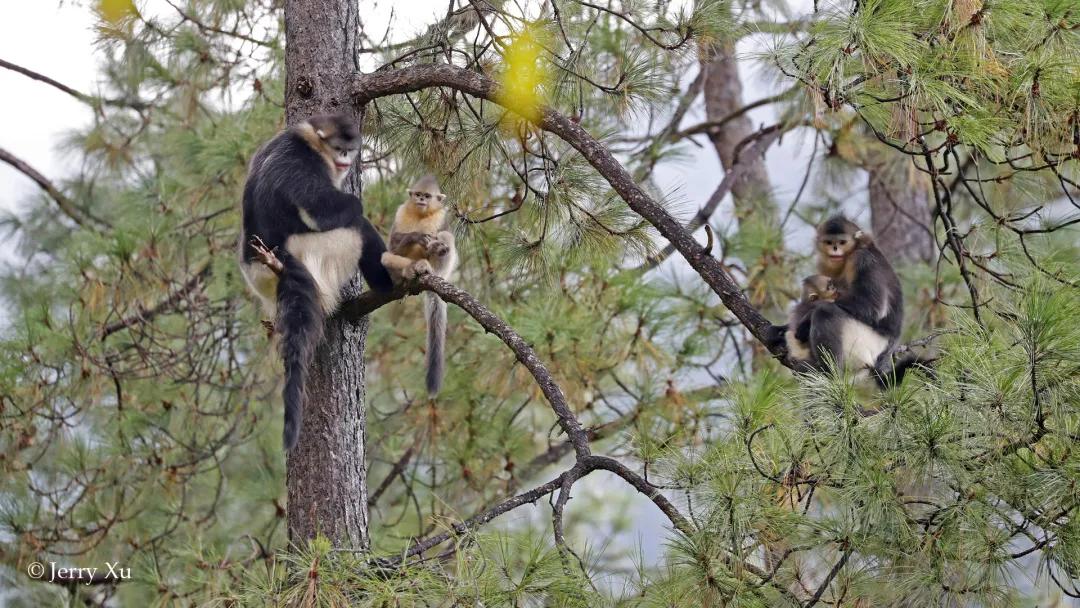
(67, 206)
(366, 87)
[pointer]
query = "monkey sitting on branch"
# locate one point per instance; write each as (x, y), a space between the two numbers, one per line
(860, 327)
(419, 244)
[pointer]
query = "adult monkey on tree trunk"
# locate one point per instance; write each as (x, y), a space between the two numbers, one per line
(326, 473)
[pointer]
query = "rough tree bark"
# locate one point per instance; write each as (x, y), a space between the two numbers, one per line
(326, 472)
(900, 218)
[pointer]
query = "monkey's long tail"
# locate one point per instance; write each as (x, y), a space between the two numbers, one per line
(300, 321)
(435, 312)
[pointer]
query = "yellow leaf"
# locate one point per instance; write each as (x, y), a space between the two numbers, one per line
(116, 10)
(524, 76)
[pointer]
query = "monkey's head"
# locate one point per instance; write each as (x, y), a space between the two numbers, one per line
(426, 196)
(837, 237)
(817, 288)
(338, 141)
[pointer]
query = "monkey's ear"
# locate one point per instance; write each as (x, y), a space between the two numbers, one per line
(812, 297)
(320, 133)
(441, 197)
(859, 235)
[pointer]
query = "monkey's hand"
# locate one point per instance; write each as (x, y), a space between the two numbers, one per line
(399, 241)
(437, 248)
(266, 256)
(419, 267)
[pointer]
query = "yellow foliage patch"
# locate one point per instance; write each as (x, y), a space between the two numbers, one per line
(524, 76)
(116, 10)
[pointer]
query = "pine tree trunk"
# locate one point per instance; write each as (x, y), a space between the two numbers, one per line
(326, 471)
(752, 192)
(900, 218)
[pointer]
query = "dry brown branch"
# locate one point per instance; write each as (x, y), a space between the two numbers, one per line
(66, 205)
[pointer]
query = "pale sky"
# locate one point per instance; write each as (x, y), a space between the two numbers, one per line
(57, 42)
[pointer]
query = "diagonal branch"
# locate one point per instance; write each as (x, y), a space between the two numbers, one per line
(477, 520)
(524, 352)
(67, 206)
(710, 206)
(49, 81)
(585, 462)
(167, 304)
(77, 94)
(366, 87)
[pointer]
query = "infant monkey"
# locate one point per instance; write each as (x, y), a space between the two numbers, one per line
(815, 289)
(420, 245)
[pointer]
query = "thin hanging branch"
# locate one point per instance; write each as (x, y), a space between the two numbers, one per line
(66, 205)
(166, 304)
(77, 94)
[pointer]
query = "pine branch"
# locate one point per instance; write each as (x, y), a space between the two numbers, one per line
(710, 206)
(66, 205)
(712, 126)
(366, 87)
(524, 352)
(168, 303)
(83, 97)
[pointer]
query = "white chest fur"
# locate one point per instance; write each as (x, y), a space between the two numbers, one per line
(861, 345)
(331, 257)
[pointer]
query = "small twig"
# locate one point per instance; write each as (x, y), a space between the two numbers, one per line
(167, 304)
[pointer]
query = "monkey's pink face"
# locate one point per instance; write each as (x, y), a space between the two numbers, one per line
(427, 202)
(343, 160)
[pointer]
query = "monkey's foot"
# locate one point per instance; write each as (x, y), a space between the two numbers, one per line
(266, 256)
(268, 325)
(418, 268)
